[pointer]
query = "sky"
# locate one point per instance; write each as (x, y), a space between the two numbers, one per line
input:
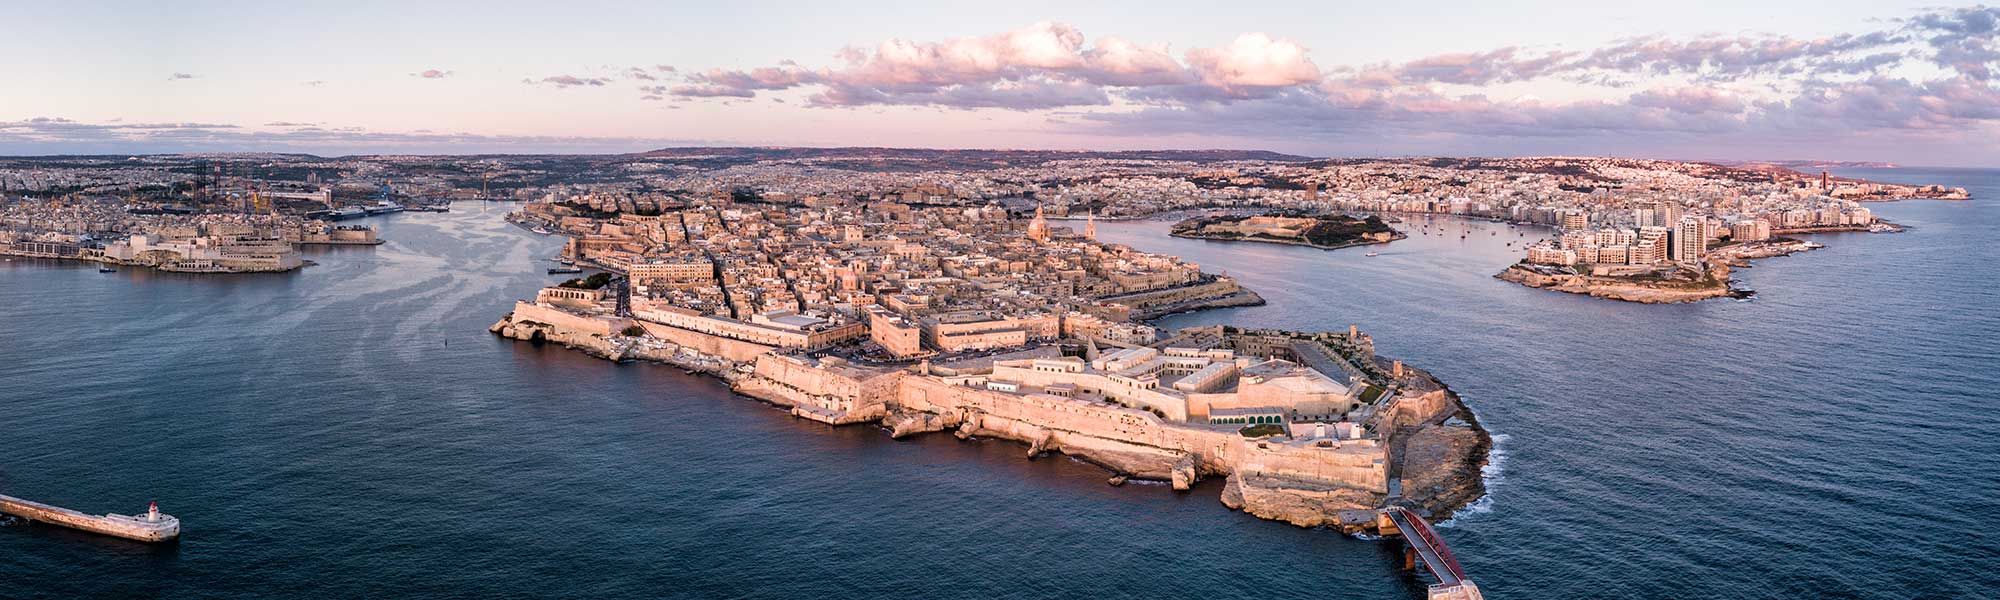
(1903, 82)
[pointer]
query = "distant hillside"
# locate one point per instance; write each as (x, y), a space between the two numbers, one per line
(890, 158)
(1813, 165)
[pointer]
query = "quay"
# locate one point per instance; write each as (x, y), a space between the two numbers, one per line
(150, 527)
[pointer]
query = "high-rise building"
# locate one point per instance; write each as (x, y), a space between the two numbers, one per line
(1666, 214)
(1576, 220)
(1690, 239)
(1750, 230)
(1652, 246)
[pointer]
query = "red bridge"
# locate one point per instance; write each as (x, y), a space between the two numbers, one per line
(1425, 545)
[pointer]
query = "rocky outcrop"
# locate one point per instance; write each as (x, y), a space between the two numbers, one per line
(536, 332)
(1616, 288)
(1299, 502)
(1442, 467)
(906, 423)
(1183, 474)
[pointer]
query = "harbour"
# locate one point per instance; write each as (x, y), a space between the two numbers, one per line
(464, 440)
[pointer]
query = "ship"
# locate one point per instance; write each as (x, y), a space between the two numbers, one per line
(153, 526)
(384, 207)
(564, 270)
(338, 215)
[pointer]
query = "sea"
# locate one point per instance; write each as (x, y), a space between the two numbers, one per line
(351, 430)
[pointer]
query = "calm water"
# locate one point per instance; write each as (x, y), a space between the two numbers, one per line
(351, 430)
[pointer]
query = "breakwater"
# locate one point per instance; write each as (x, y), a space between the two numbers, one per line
(149, 527)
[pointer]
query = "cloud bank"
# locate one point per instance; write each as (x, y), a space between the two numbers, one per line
(1928, 77)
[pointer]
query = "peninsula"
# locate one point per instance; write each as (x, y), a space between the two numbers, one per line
(991, 323)
(1326, 232)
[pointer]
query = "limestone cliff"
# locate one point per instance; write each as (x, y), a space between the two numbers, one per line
(1442, 464)
(537, 332)
(1296, 501)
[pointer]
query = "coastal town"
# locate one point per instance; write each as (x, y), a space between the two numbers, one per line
(1631, 229)
(966, 292)
(993, 323)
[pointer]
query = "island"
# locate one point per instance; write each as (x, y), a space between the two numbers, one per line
(989, 323)
(1319, 231)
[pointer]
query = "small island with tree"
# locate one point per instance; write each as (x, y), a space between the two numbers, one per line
(1301, 229)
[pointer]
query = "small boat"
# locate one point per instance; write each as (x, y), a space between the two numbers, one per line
(106, 270)
(1373, 254)
(564, 270)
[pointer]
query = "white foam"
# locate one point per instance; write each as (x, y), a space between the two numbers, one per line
(1491, 475)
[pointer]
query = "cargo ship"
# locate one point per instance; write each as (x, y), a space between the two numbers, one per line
(153, 526)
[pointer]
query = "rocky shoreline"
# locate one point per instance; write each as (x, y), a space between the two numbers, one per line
(1289, 228)
(1268, 240)
(1618, 288)
(1715, 283)
(1438, 458)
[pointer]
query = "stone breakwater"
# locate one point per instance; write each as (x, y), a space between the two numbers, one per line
(1429, 448)
(159, 528)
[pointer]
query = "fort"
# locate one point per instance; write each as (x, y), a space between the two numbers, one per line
(1295, 442)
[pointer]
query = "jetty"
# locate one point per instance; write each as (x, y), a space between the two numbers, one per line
(150, 527)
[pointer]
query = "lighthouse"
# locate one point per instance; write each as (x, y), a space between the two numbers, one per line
(153, 512)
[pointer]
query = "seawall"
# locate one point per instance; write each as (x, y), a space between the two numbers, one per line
(131, 528)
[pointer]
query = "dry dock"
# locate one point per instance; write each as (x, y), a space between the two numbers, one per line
(149, 527)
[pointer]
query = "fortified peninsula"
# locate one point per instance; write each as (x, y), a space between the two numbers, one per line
(990, 324)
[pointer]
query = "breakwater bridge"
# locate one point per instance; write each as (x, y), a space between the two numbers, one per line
(1421, 543)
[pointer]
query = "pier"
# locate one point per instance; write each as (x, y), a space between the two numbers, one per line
(153, 526)
(1425, 545)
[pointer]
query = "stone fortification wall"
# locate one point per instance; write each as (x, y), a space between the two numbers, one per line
(1152, 298)
(567, 321)
(732, 349)
(1081, 425)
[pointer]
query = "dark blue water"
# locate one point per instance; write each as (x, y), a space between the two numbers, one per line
(350, 430)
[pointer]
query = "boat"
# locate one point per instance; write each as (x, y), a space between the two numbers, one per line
(1373, 254)
(106, 270)
(342, 214)
(564, 270)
